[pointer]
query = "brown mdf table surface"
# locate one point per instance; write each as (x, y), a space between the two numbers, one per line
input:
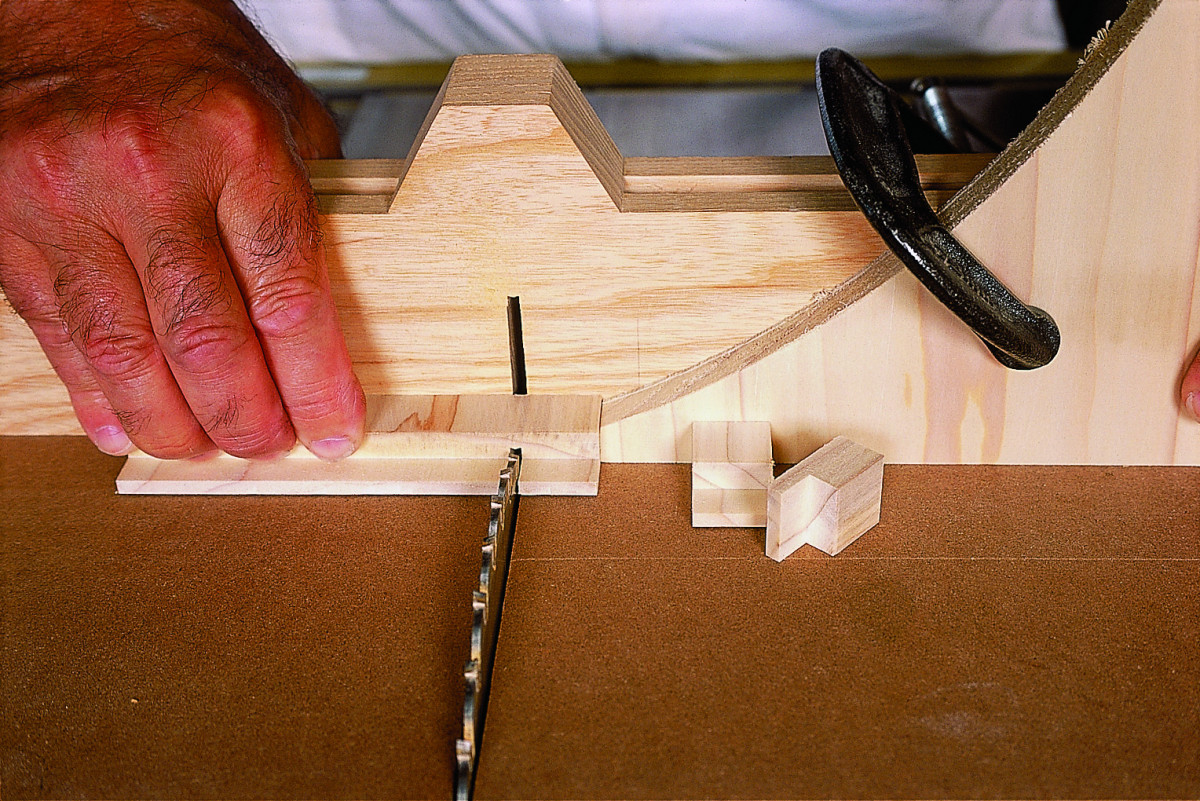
(1004, 632)
(236, 647)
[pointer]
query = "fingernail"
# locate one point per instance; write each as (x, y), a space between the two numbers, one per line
(1193, 404)
(112, 440)
(333, 448)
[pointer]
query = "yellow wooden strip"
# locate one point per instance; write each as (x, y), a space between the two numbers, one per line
(358, 475)
(415, 445)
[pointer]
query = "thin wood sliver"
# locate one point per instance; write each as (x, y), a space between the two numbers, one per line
(416, 445)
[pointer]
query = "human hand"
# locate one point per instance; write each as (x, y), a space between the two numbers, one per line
(1189, 390)
(158, 232)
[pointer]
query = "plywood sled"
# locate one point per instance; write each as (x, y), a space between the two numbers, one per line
(748, 289)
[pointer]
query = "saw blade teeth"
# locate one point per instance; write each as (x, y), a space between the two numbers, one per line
(478, 624)
(485, 571)
(486, 602)
(464, 758)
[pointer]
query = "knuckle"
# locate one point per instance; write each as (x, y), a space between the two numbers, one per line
(182, 279)
(289, 306)
(201, 344)
(136, 142)
(245, 118)
(113, 344)
(288, 235)
(41, 172)
(114, 348)
(88, 308)
(241, 430)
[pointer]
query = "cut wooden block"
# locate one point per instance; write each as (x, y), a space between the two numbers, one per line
(731, 468)
(415, 445)
(828, 501)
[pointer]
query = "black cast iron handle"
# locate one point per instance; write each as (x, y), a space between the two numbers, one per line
(865, 124)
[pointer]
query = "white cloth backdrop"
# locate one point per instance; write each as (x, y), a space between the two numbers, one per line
(719, 30)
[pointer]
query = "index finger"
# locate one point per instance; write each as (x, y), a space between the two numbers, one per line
(267, 216)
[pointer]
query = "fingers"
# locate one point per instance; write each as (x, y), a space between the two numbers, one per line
(1189, 390)
(101, 307)
(84, 304)
(194, 310)
(34, 299)
(268, 222)
(168, 259)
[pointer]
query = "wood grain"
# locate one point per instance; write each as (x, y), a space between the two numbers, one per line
(731, 468)
(1093, 214)
(514, 188)
(827, 501)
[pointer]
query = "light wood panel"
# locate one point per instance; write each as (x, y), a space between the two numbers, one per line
(827, 501)
(1093, 215)
(415, 445)
(731, 468)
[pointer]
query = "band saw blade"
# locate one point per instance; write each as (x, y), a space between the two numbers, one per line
(486, 603)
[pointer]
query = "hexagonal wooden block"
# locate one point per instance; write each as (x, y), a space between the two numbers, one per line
(731, 468)
(828, 501)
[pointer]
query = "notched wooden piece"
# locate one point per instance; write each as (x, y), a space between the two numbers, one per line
(513, 187)
(731, 469)
(415, 445)
(828, 501)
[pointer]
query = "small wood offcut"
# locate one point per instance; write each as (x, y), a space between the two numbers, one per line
(415, 445)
